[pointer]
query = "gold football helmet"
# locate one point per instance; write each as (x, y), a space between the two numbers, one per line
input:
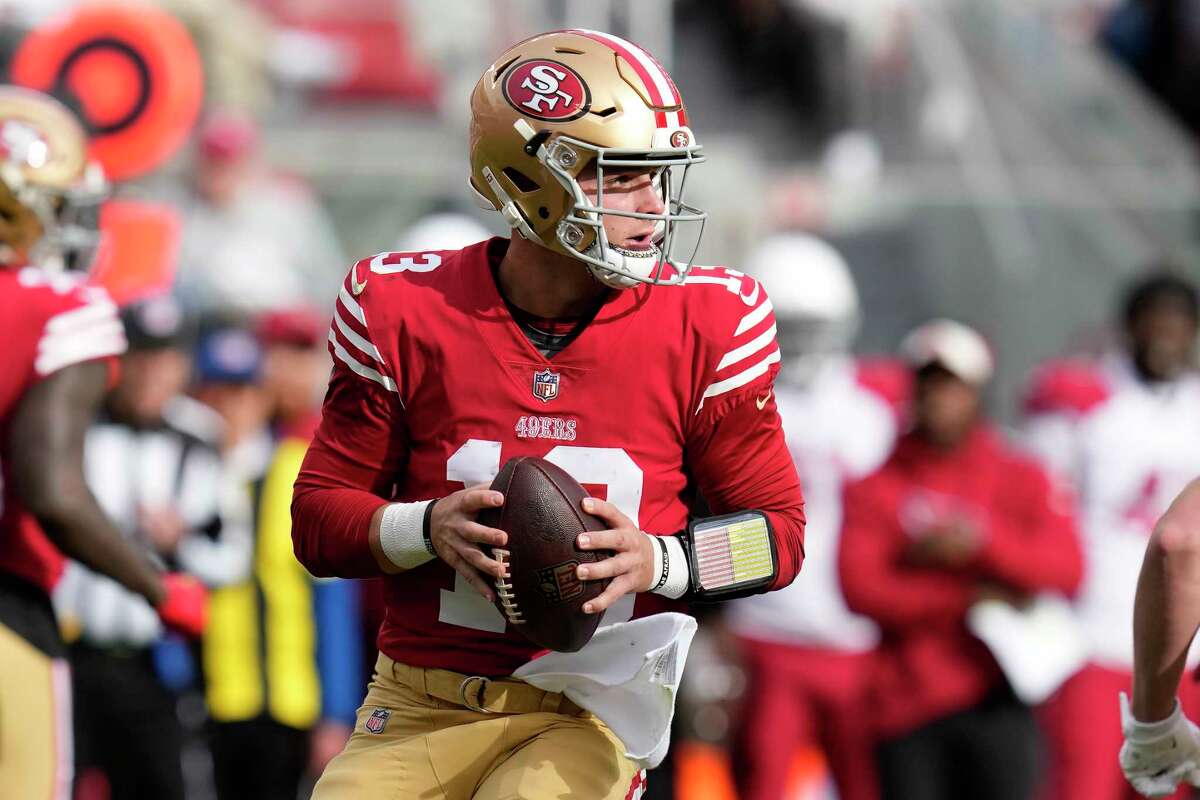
(49, 191)
(554, 105)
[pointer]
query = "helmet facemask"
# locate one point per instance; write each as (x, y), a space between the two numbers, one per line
(59, 229)
(809, 343)
(581, 232)
(72, 238)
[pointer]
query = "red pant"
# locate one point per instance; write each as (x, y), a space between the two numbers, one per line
(799, 696)
(1082, 722)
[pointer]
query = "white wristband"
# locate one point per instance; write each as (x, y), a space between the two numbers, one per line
(679, 574)
(402, 534)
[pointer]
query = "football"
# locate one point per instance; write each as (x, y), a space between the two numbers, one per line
(541, 596)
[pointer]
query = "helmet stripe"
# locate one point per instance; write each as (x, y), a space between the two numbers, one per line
(658, 83)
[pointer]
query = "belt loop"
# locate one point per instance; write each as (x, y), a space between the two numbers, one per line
(417, 680)
(393, 665)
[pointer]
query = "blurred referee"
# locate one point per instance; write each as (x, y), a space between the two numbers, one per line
(153, 461)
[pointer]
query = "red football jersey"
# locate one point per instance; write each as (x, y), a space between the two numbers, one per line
(47, 321)
(665, 395)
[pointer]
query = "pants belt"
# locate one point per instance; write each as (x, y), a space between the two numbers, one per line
(485, 695)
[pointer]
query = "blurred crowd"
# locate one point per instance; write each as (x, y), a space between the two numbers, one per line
(961, 627)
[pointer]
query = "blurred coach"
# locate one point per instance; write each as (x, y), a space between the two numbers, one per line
(953, 517)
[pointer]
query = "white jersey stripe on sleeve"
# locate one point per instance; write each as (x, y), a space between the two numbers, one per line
(83, 317)
(743, 377)
(363, 345)
(70, 339)
(359, 368)
(352, 306)
(754, 317)
(64, 353)
(751, 347)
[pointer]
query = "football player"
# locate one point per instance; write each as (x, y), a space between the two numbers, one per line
(1123, 431)
(808, 656)
(584, 339)
(60, 339)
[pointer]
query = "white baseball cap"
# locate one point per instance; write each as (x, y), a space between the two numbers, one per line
(959, 349)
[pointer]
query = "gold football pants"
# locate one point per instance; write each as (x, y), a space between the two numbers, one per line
(35, 721)
(427, 734)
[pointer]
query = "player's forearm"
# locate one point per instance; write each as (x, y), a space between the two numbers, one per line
(1167, 607)
(788, 526)
(55, 493)
(81, 531)
(46, 440)
(335, 532)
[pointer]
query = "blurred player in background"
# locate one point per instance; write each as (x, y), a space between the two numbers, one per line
(561, 342)
(61, 338)
(953, 517)
(154, 462)
(807, 655)
(282, 658)
(1124, 433)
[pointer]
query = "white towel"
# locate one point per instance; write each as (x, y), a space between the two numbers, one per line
(1037, 647)
(628, 676)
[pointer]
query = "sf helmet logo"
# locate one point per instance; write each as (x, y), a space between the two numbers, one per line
(547, 90)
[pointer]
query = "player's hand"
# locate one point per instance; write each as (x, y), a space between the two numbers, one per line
(456, 536)
(184, 607)
(631, 568)
(1158, 756)
(949, 546)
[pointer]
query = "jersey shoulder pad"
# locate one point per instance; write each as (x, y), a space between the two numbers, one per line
(736, 321)
(1068, 386)
(379, 296)
(73, 321)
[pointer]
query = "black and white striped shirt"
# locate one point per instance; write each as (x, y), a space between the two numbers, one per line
(175, 465)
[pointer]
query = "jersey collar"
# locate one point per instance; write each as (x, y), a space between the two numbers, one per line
(503, 335)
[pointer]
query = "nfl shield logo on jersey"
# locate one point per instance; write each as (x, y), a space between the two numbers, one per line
(378, 719)
(545, 385)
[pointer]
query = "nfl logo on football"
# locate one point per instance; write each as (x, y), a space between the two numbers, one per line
(545, 385)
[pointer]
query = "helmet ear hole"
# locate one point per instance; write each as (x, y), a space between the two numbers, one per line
(519, 179)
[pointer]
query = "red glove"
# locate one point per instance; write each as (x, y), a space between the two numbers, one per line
(184, 608)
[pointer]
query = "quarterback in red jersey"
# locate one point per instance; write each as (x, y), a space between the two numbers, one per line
(60, 337)
(582, 340)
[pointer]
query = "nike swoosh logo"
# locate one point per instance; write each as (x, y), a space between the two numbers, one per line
(356, 288)
(752, 298)
(761, 402)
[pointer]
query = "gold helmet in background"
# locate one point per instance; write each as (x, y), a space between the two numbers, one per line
(561, 102)
(49, 191)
